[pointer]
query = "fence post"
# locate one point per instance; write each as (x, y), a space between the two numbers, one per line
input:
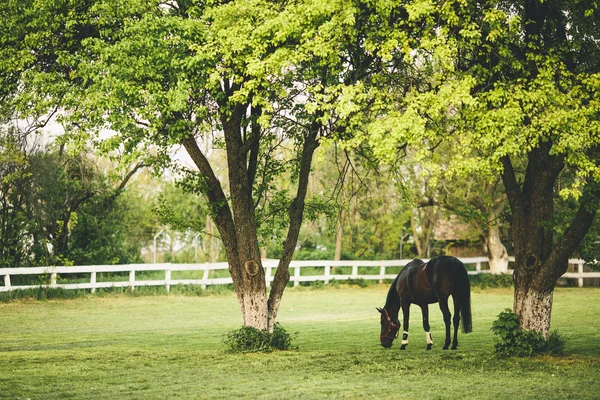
(167, 279)
(355, 271)
(7, 281)
(327, 274)
(580, 271)
(93, 281)
(478, 267)
(204, 277)
(268, 276)
(131, 280)
(53, 279)
(381, 273)
(296, 275)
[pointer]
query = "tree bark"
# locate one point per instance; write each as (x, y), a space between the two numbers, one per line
(534, 306)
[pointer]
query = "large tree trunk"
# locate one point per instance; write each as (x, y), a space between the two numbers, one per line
(534, 306)
(244, 260)
(539, 262)
(496, 252)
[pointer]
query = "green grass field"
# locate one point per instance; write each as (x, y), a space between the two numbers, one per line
(160, 347)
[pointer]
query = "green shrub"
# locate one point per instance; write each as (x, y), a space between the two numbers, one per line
(492, 280)
(555, 344)
(251, 340)
(512, 340)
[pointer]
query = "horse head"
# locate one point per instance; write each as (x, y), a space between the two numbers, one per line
(389, 328)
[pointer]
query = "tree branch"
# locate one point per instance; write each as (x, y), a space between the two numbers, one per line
(215, 195)
(573, 235)
(128, 176)
(282, 274)
(253, 145)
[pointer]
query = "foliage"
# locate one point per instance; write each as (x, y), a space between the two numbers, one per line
(59, 208)
(249, 339)
(512, 340)
(180, 207)
(110, 231)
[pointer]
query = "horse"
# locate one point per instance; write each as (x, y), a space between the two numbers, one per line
(424, 283)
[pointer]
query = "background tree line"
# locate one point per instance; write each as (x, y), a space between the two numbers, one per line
(76, 209)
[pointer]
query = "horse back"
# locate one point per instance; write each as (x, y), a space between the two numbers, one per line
(415, 283)
(445, 270)
(425, 283)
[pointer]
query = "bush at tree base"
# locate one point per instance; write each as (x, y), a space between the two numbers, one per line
(512, 340)
(248, 339)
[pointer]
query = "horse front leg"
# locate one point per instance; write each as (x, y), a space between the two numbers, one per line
(426, 327)
(447, 317)
(406, 315)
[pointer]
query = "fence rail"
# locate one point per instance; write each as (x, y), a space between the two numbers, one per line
(49, 275)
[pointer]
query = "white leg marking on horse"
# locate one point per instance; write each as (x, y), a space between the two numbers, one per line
(405, 335)
(428, 338)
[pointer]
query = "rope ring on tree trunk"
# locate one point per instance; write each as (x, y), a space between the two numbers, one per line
(251, 267)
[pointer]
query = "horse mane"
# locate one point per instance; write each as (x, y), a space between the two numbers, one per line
(392, 298)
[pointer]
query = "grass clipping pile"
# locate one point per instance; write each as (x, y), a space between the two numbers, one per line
(251, 340)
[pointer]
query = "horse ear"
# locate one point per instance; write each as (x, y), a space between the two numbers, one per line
(379, 309)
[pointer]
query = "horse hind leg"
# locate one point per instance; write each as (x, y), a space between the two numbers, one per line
(447, 317)
(426, 327)
(456, 322)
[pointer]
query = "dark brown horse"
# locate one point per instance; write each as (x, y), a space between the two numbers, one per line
(424, 283)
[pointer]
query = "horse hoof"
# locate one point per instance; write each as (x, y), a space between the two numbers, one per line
(445, 347)
(428, 347)
(454, 347)
(403, 347)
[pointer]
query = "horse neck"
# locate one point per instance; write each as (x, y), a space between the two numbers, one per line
(392, 302)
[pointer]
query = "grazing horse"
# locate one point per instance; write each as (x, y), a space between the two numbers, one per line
(424, 283)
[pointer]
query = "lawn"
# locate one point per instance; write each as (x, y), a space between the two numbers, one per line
(157, 347)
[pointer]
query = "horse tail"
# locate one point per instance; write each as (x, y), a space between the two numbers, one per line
(462, 294)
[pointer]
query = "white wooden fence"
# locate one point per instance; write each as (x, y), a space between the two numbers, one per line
(47, 276)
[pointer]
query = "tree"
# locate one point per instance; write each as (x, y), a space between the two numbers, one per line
(247, 76)
(46, 186)
(513, 83)
(536, 67)
(484, 208)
